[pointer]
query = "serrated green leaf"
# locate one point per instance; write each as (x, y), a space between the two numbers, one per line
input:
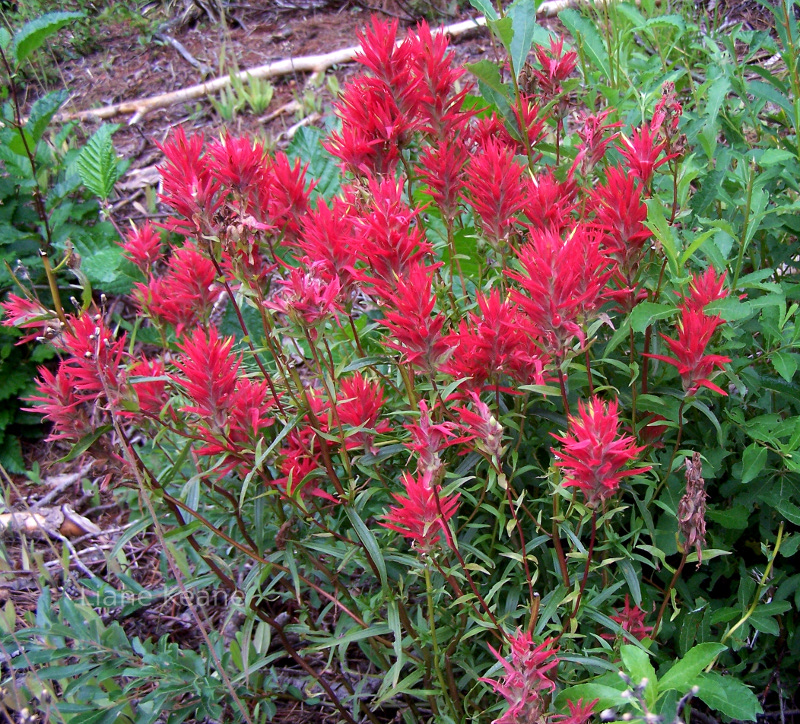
(322, 167)
(97, 162)
(683, 673)
(31, 35)
(729, 696)
(42, 113)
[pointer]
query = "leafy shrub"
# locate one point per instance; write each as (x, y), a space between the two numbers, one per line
(503, 410)
(46, 213)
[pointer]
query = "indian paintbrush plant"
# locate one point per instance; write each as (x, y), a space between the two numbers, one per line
(439, 416)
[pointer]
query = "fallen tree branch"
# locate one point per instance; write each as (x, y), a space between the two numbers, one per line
(139, 107)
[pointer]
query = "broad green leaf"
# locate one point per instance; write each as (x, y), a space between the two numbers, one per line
(657, 223)
(789, 511)
(638, 666)
(753, 461)
(645, 313)
(767, 93)
(523, 20)
(322, 167)
(785, 365)
(43, 111)
(97, 162)
(31, 35)
(728, 695)
(504, 30)
(587, 38)
(683, 674)
(487, 72)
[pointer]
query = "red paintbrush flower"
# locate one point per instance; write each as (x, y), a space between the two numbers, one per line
(442, 167)
(632, 620)
(307, 297)
(526, 680)
(188, 185)
(557, 66)
(704, 289)
(240, 163)
(142, 246)
(415, 330)
(492, 343)
(620, 213)
(696, 368)
(594, 455)
(496, 190)
(561, 284)
(358, 404)
(428, 439)
(482, 426)
(641, 152)
(328, 239)
(210, 372)
(389, 240)
(423, 513)
(185, 296)
(579, 713)
(438, 100)
(61, 404)
(548, 204)
(25, 313)
(594, 141)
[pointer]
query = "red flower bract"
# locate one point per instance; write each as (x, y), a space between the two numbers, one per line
(422, 513)
(594, 455)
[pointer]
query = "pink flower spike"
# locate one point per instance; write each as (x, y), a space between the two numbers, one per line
(422, 513)
(580, 712)
(526, 678)
(632, 620)
(595, 455)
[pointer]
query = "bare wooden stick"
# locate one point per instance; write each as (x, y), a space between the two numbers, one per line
(139, 107)
(306, 64)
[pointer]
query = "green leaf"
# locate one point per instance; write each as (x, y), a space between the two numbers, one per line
(42, 113)
(97, 162)
(371, 546)
(753, 461)
(31, 35)
(645, 313)
(729, 696)
(637, 664)
(485, 7)
(789, 511)
(85, 443)
(322, 167)
(487, 72)
(632, 579)
(785, 365)
(523, 20)
(608, 698)
(588, 39)
(683, 674)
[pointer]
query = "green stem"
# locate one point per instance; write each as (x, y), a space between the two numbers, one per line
(667, 593)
